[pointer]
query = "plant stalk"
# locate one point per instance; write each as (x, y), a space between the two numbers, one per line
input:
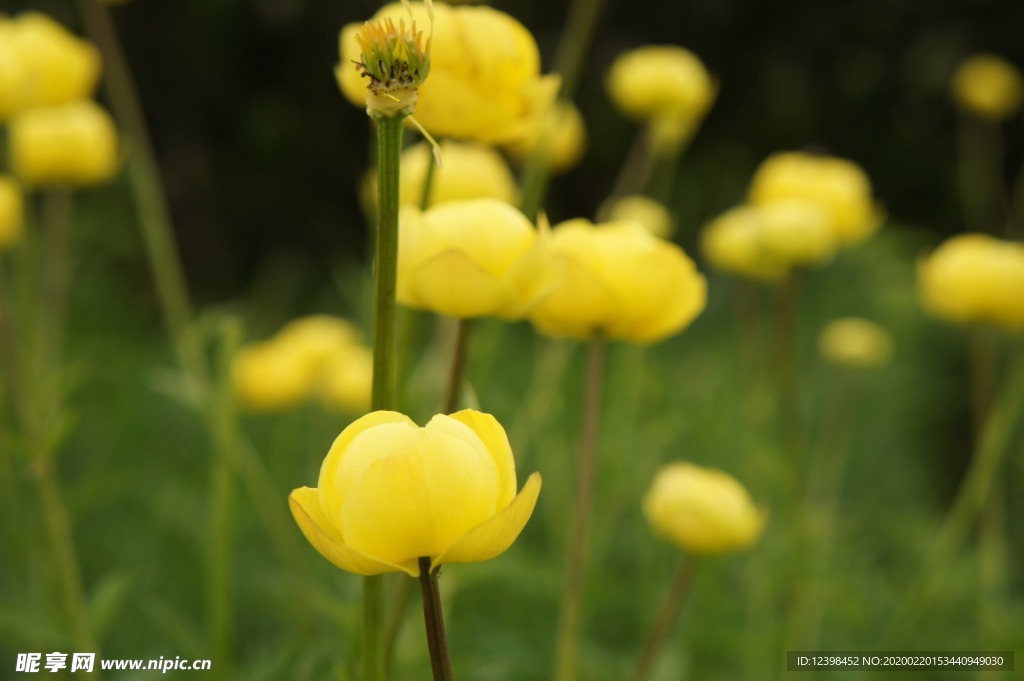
(458, 367)
(677, 593)
(433, 618)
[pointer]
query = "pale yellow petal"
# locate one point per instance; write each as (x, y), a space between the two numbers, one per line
(494, 536)
(453, 284)
(489, 431)
(304, 503)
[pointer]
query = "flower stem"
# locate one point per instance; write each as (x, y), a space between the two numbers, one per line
(983, 192)
(389, 150)
(787, 376)
(667, 616)
(154, 213)
(433, 618)
(567, 650)
(458, 368)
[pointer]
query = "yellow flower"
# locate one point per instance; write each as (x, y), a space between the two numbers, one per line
(648, 212)
(975, 279)
(855, 342)
(702, 510)
(563, 128)
(313, 356)
(837, 186)
(988, 86)
(797, 232)
(12, 212)
(476, 258)
(54, 66)
(485, 81)
(72, 144)
(662, 84)
(733, 243)
(390, 493)
(470, 171)
(618, 280)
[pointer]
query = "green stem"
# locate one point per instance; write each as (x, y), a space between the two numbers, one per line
(221, 529)
(57, 215)
(150, 198)
(389, 150)
(980, 175)
(396, 616)
(458, 367)
(666, 618)
(787, 375)
(567, 651)
(433, 618)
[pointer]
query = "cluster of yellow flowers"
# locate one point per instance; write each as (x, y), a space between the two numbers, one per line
(313, 357)
(801, 209)
(57, 135)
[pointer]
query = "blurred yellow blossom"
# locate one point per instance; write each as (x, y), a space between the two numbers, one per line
(69, 144)
(563, 128)
(391, 493)
(702, 510)
(837, 186)
(469, 259)
(485, 81)
(46, 64)
(645, 210)
(975, 279)
(855, 342)
(317, 356)
(619, 280)
(470, 171)
(988, 86)
(12, 212)
(664, 85)
(797, 232)
(733, 243)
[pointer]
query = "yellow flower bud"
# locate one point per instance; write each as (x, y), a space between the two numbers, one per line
(464, 259)
(989, 87)
(662, 82)
(648, 212)
(563, 128)
(856, 343)
(347, 381)
(470, 171)
(702, 510)
(837, 186)
(271, 376)
(72, 144)
(733, 243)
(391, 493)
(619, 280)
(797, 232)
(975, 279)
(318, 336)
(12, 212)
(56, 66)
(484, 82)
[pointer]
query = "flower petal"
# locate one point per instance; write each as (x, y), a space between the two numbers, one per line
(492, 537)
(304, 503)
(490, 432)
(452, 284)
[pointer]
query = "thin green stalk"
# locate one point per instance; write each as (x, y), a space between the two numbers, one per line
(56, 269)
(567, 650)
(980, 175)
(150, 198)
(458, 366)
(433, 618)
(395, 617)
(389, 150)
(666, 618)
(787, 376)
(221, 529)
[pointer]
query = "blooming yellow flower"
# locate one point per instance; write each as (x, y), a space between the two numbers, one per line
(988, 86)
(975, 279)
(390, 493)
(470, 171)
(855, 342)
(485, 81)
(645, 210)
(53, 67)
(12, 212)
(702, 510)
(316, 356)
(618, 280)
(797, 232)
(665, 85)
(733, 243)
(837, 186)
(72, 144)
(469, 259)
(563, 128)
